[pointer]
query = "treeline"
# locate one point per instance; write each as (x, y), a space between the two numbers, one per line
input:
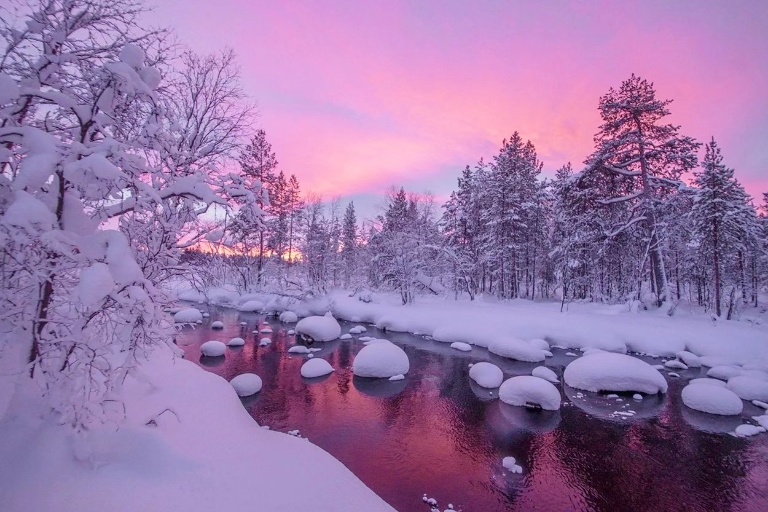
(625, 228)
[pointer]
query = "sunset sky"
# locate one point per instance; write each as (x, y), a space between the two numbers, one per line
(357, 95)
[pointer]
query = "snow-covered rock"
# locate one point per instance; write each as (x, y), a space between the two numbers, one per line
(265, 330)
(527, 390)
(345, 337)
(289, 317)
(675, 365)
(246, 384)
(382, 360)
(749, 388)
(319, 328)
(316, 368)
(515, 348)
(545, 373)
(217, 324)
(712, 399)
(690, 359)
(614, 372)
(706, 381)
(298, 349)
(188, 316)
(459, 345)
(213, 348)
(747, 430)
(358, 329)
(397, 377)
(511, 465)
(263, 342)
(724, 372)
(251, 306)
(236, 342)
(487, 375)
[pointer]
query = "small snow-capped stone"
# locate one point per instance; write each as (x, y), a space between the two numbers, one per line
(399, 376)
(243, 323)
(527, 390)
(298, 349)
(319, 328)
(673, 374)
(382, 359)
(463, 347)
(345, 337)
(316, 368)
(291, 332)
(690, 359)
(289, 317)
(265, 330)
(187, 316)
(236, 342)
(637, 396)
(571, 354)
(675, 365)
(510, 464)
(217, 324)
(206, 315)
(358, 329)
(760, 403)
(747, 430)
(246, 384)
(545, 373)
(213, 348)
(487, 375)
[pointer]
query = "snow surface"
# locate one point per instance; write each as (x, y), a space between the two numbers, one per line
(213, 348)
(236, 342)
(545, 373)
(487, 375)
(463, 347)
(188, 316)
(515, 348)
(319, 328)
(526, 390)
(749, 388)
(712, 399)
(383, 359)
(201, 453)
(316, 368)
(706, 381)
(246, 384)
(289, 317)
(614, 372)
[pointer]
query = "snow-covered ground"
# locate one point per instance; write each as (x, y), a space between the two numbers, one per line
(187, 444)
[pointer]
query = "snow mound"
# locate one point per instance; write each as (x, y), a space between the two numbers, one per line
(246, 384)
(545, 373)
(289, 317)
(345, 337)
(298, 349)
(382, 360)
(265, 330)
(217, 324)
(749, 388)
(358, 329)
(188, 316)
(236, 342)
(527, 390)
(464, 347)
(319, 328)
(510, 464)
(712, 399)
(316, 368)
(515, 348)
(213, 348)
(724, 372)
(397, 377)
(539, 343)
(487, 375)
(676, 365)
(706, 381)
(689, 358)
(251, 306)
(747, 430)
(263, 342)
(614, 372)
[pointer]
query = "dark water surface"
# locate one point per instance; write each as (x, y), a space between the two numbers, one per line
(436, 432)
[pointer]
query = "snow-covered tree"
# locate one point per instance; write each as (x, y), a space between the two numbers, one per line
(637, 165)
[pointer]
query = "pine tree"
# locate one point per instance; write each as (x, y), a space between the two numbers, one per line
(637, 165)
(349, 243)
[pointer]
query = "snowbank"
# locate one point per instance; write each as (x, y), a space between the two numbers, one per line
(614, 372)
(487, 375)
(187, 444)
(319, 328)
(246, 384)
(383, 359)
(316, 368)
(514, 348)
(251, 306)
(527, 390)
(712, 399)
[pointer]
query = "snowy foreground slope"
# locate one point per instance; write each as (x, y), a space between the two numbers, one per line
(207, 454)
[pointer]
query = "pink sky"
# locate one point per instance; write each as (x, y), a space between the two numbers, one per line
(359, 95)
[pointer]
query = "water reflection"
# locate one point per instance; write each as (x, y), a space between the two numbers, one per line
(437, 432)
(622, 408)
